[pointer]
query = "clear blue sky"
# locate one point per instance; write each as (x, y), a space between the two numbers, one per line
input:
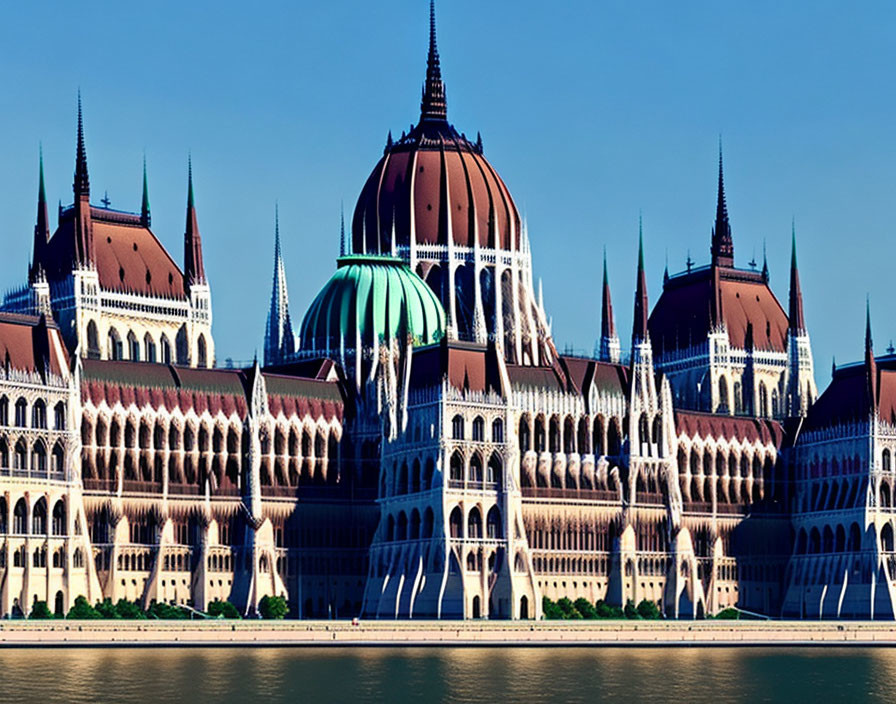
(591, 111)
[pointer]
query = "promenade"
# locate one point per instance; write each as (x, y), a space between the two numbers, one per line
(446, 633)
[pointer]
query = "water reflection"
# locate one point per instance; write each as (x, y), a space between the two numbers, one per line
(449, 674)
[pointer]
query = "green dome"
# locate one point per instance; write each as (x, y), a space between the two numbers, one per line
(381, 298)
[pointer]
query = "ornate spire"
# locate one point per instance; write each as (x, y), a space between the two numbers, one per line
(82, 180)
(608, 347)
(795, 311)
(279, 342)
(42, 224)
(870, 362)
(764, 263)
(145, 216)
(639, 328)
(343, 243)
(194, 270)
(722, 244)
(81, 187)
(433, 106)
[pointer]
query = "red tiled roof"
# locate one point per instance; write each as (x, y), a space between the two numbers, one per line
(847, 400)
(31, 344)
(706, 425)
(129, 257)
(683, 315)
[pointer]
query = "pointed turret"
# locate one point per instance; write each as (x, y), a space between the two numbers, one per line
(870, 362)
(433, 107)
(795, 310)
(194, 269)
(145, 217)
(42, 225)
(608, 346)
(279, 341)
(722, 244)
(639, 327)
(764, 263)
(81, 188)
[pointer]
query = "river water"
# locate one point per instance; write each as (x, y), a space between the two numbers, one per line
(493, 675)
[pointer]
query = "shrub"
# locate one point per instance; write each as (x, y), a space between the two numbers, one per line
(41, 611)
(649, 610)
(81, 609)
(604, 610)
(550, 609)
(161, 610)
(106, 609)
(223, 609)
(129, 609)
(730, 613)
(631, 610)
(568, 609)
(273, 607)
(585, 607)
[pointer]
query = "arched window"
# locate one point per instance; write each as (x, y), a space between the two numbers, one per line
(58, 462)
(133, 347)
(885, 460)
(474, 523)
(39, 457)
(59, 416)
(4, 410)
(457, 427)
(493, 524)
(456, 523)
(738, 398)
(457, 467)
(763, 400)
(493, 473)
(498, 431)
(475, 468)
(165, 347)
(478, 429)
(723, 395)
(21, 413)
(59, 518)
(20, 460)
(116, 350)
(4, 455)
(93, 341)
(39, 415)
(39, 518)
(201, 352)
(149, 348)
(525, 435)
(20, 518)
(182, 345)
(427, 523)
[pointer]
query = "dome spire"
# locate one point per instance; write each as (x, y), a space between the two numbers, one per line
(639, 329)
(42, 225)
(796, 317)
(433, 106)
(194, 270)
(145, 217)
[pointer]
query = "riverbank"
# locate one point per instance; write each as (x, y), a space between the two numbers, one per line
(431, 633)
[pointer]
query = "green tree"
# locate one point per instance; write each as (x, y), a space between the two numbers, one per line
(568, 609)
(40, 611)
(730, 614)
(129, 609)
(82, 609)
(163, 611)
(273, 607)
(604, 610)
(648, 610)
(630, 610)
(550, 609)
(106, 609)
(585, 607)
(222, 609)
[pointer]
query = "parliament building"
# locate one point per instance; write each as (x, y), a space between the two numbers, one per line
(417, 447)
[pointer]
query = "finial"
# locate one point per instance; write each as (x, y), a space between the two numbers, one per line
(277, 228)
(343, 249)
(190, 202)
(105, 200)
(833, 366)
(479, 142)
(722, 244)
(145, 216)
(433, 106)
(764, 262)
(666, 270)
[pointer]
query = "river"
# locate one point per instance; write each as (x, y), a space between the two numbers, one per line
(492, 675)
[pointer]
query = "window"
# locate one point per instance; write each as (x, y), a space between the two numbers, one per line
(166, 350)
(478, 429)
(149, 348)
(201, 352)
(498, 431)
(39, 415)
(59, 416)
(457, 428)
(4, 411)
(21, 413)
(116, 350)
(133, 347)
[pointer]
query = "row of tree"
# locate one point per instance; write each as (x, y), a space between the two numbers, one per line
(270, 607)
(581, 608)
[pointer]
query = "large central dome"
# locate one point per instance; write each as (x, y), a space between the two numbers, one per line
(434, 184)
(435, 202)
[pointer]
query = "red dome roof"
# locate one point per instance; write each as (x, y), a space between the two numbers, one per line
(433, 182)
